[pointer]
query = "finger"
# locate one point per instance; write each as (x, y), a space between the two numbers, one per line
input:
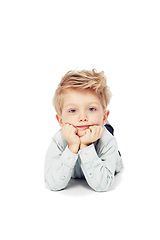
(102, 128)
(94, 129)
(101, 131)
(65, 125)
(66, 128)
(68, 125)
(91, 127)
(88, 131)
(72, 129)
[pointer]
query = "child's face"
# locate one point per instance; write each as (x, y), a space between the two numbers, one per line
(82, 109)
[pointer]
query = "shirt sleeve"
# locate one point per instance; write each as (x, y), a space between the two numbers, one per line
(58, 166)
(99, 169)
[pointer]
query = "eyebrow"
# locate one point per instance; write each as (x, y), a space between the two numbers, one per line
(73, 104)
(70, 104)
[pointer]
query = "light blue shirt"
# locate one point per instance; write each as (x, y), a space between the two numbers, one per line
(98, 163)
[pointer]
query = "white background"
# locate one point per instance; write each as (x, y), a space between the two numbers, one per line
(40, 41)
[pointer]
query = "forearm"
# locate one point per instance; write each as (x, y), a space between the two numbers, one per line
(58, 169)
(99, 174)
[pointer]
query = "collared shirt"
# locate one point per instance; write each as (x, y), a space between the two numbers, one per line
(97, 163)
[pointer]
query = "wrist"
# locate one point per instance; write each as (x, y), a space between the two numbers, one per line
(82, 146)
(73, 148)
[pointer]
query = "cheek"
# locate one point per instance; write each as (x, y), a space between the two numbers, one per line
(98, 119)
(68, 119)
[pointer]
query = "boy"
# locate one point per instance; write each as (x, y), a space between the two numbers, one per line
(83, 147)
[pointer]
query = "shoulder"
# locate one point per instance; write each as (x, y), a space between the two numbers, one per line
(106, 141)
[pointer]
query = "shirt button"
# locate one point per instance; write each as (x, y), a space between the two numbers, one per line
(84, 154)
(90, 175)
(63, 177)
(69, 158)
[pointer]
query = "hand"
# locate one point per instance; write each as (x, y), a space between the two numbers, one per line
(92, 134)
(69, 133)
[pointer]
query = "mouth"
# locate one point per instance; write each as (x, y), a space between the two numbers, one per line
(83, 127)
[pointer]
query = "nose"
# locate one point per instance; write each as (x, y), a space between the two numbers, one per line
(83, 117)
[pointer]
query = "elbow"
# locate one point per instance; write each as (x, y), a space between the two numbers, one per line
(52, 184)
(52, 187)
(105, 184)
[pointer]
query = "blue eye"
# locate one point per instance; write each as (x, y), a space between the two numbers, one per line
(72, 110)
(92, 109)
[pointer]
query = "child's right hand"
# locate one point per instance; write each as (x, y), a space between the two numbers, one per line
(69, 133)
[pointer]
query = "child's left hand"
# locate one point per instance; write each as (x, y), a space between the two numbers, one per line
(92, 134)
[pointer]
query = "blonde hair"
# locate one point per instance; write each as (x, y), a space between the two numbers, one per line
(82, 80)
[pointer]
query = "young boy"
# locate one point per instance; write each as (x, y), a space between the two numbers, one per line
(83, 147)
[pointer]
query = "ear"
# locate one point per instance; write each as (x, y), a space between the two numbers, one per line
(59, 119)
(105, 117)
